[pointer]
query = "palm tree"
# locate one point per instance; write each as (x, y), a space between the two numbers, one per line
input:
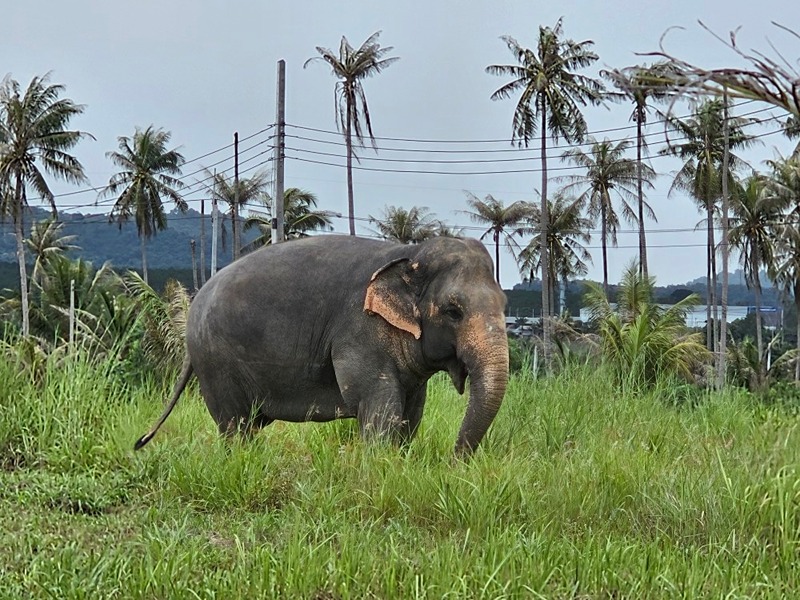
(503, 221)
(701, 174)
(753, 229)
(163, 319)
(147, 175)
(236, 195)
(783, 185)
(607, 170)
(551, 93)
(792, 130)
(47, 241)
(34, 140)
(642, 84)
(350, 66)
(50, 295)
(786, 273)
(567, 234)
(641, 341)
(410, 226)
(299, 218)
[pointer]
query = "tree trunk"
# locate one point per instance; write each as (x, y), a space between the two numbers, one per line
(640, 193)
(194, 266)
(759, 335)
(19, 231)
(545, 224)
(709, 278)
(723, 326)
(349, 145)
(604, 245)
(497, 256)
(143, 240)
(714, 310)
(797, 329)
(237, 242)
(235, 231)
(202, 242)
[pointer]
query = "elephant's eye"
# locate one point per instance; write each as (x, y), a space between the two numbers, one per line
(454, 312)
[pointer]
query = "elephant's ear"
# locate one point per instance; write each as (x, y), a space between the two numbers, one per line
(390, 295)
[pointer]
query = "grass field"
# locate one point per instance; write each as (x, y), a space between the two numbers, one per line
(578, 492)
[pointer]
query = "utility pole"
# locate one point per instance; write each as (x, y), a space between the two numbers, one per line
(194, 265)
(202, 241)
(235, 210)
(214, 229)
(280, 122)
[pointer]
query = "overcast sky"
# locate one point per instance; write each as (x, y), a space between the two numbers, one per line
(203, 70)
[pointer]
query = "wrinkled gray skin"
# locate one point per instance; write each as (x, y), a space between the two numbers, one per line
(337, 326)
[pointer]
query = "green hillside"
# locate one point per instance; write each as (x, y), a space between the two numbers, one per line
(168, 252)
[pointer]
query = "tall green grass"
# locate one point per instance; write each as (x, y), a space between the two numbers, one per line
(578, 491)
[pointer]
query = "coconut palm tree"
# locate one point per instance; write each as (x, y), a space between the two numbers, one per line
(50, 295)
(350, 67)
(702, 151)
(299, 218)
(35, 140)
(753, 231)
(783, 185)
(607, 173)
(410, 226)
(567, 234)
(45, 242)
(642, 85)
(163, 320)
(785, 272)
(641, 341)
(148, 174)
(504, 222)
(792, 130)
(551, 93)
(236, 195)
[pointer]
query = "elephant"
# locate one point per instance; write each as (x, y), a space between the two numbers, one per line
(335, 326)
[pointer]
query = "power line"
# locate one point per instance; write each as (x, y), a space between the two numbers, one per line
(181, 178)
(458, 173)
(668, 144)
(502, 140)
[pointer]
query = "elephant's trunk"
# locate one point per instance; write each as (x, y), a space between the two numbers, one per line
(485, 353)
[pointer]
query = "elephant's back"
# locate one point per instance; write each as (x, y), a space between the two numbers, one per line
(294, 290)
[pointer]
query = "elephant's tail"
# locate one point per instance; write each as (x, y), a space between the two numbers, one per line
(180, 385)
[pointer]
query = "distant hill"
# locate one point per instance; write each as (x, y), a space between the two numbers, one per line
(527, 296)
(169, 255)
(101, 241)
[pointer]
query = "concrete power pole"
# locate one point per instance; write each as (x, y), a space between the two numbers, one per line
(280, 123)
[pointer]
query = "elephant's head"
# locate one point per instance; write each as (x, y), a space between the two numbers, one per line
(445, 296)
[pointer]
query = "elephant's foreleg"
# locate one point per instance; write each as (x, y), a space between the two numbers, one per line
(380, 417)
(412, 414)
(374, 391)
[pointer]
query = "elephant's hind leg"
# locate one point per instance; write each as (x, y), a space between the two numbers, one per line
(232, 407)
(245, 427)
